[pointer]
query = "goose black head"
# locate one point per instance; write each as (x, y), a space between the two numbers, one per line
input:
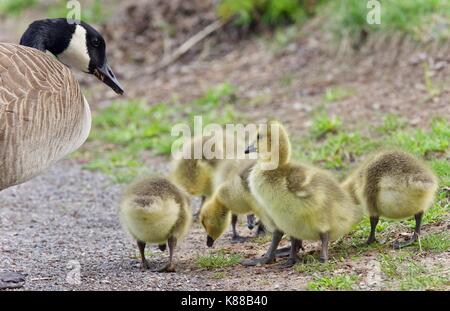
(76, 45)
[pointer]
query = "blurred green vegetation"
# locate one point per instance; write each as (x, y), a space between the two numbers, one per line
(15, 7)
(270, 12)
(94, 12)
(422, 19)
(91, 11)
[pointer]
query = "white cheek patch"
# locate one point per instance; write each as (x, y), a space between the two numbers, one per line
(76, 55)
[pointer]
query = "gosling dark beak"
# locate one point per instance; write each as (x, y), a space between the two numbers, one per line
(106, 75)
(209, 241)
(250, 149)
(251, 221)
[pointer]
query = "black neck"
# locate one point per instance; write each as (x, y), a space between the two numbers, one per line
(51, 35)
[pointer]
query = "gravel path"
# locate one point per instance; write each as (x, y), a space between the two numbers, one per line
(68, 218)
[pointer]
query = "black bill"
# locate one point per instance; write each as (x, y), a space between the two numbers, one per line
(106, 75)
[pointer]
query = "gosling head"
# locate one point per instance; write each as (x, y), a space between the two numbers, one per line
(76, 45)
(272, 145)
(215, 218)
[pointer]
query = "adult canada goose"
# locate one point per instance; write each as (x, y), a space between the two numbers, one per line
(304, 202)
(395, 185)
(154, 210)
(43, 114)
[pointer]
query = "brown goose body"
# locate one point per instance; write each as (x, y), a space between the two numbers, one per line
(43, 114)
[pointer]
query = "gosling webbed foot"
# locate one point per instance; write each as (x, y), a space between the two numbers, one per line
(169, 268)
(11, 280)
(239, 239)
(265, 260)
(402, 244)
(370, 240)
(145, 265)
(283, 252)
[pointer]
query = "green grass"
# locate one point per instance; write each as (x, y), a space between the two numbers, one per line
(436, 242)
(423, 143)
(262, 239)
(405, 272)
(338, 282)
(324, 124)
(421, 19)
(217, 260)
(16, 7)
(218, 275)
(391, 124)
(126, 132)
(336, 94)
(311, 265)
(340, 150)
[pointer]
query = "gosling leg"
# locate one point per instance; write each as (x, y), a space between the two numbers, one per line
(286, 251)
(202, 202)
(373, 226)
(261, 230)
(170, 267)
(269, 256)
(293, 256)
(250, 222)
(236, 237)
(415, 236)
(324, 237)
(141, 246)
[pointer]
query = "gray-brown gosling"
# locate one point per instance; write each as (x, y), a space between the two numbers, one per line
(305, 202)
(154, 210)
(232, 196)
(200, 177)
(392, 184)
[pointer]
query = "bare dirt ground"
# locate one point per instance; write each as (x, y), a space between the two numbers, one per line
(69, 214)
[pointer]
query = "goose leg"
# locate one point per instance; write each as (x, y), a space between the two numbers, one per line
(170, 267)
(373, 226)
(141, 246)
(415, 236)
(11, 280)
(324, 237)
(269, 257)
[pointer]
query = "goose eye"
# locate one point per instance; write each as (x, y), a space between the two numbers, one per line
(96, 42)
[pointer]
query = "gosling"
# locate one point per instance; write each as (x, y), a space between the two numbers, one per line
(304, 202)
(395, 185)
(232, 196)
(154, 210)
(201, 176)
